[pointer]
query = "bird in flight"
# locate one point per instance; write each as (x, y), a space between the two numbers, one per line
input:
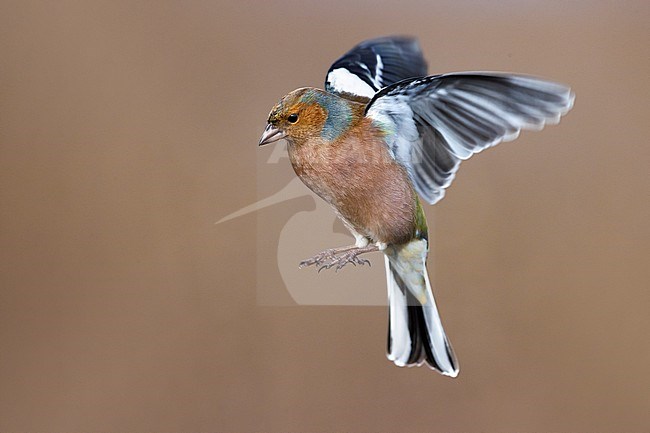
(383, 137)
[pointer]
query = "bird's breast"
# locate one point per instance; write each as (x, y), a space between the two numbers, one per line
(360, 179)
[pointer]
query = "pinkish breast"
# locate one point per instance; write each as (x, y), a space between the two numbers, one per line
(359, 178)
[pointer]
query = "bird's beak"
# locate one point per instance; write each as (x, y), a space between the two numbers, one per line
(271, 134)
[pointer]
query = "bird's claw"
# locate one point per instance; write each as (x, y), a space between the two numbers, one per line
(332, 259)
(319, 259)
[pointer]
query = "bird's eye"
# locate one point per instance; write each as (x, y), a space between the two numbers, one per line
(293, 118)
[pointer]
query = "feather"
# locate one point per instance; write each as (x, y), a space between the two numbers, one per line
(415, 332)
(440, 120)
(374, 64)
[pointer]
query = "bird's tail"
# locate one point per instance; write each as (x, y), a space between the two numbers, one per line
(415, 333)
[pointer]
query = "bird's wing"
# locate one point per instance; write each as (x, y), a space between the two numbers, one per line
(433, 123)
(375, 64)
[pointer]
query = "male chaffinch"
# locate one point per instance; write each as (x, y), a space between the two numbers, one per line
(383, 132)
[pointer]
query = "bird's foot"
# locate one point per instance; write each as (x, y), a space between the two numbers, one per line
(339, 262)
(319, 259)
(339, 257)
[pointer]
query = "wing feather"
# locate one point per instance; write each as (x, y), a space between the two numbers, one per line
(433, 123)
(375, 64)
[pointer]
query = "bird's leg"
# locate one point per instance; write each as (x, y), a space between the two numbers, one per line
(339, 257)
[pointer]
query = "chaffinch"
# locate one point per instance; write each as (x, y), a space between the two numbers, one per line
(380, 134)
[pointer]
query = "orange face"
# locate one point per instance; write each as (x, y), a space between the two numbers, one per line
(297, 117)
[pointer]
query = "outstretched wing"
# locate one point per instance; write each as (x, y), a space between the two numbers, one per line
(375, 64)
(433, 123)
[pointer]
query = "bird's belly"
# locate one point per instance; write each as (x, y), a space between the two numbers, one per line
(380, 216)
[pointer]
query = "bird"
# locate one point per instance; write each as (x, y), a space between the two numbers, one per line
(382, 138)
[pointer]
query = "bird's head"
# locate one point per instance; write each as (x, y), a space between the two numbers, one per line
(307, 113)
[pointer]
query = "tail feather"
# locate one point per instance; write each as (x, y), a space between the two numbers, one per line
(415, 332)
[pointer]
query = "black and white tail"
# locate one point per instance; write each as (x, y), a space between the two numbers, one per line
(415, 333)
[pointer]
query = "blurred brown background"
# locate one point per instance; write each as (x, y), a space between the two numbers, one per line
(128, 128)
